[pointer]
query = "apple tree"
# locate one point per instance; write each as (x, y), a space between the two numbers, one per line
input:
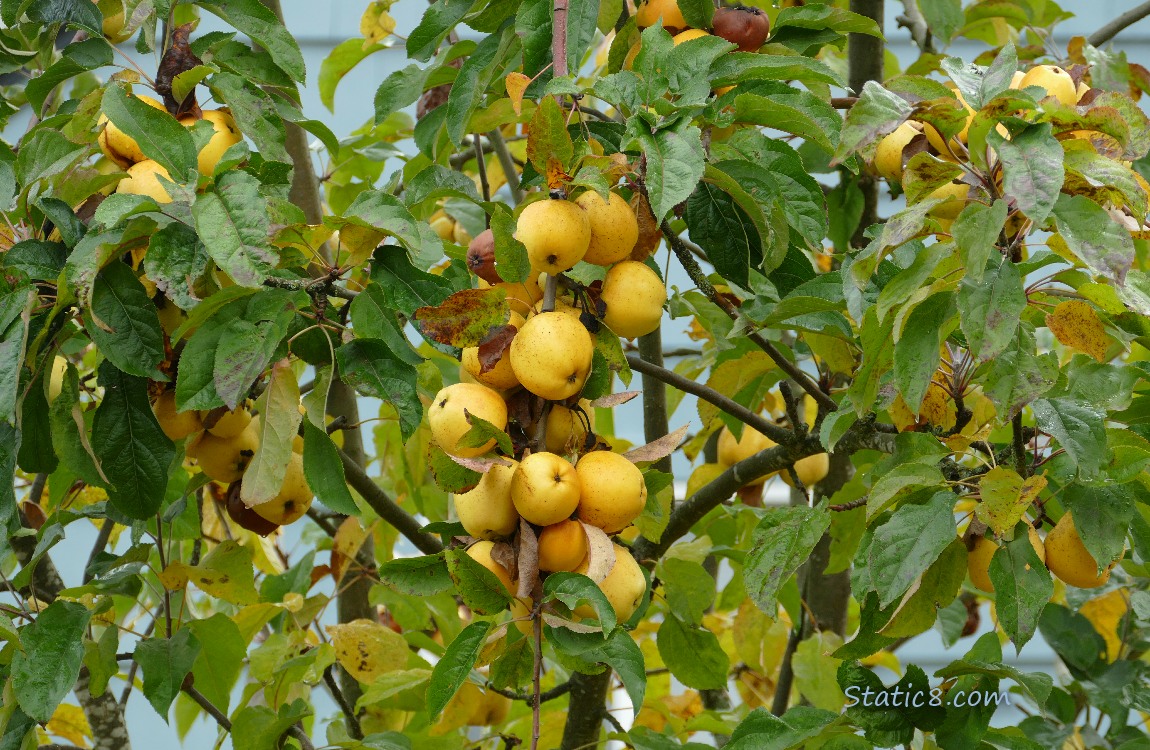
(379, 435)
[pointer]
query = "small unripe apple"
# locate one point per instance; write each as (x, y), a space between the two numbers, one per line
(614, 228)
(448, 412)
(545, 488)
(551, 355)
(634, 295)
(556, 234)
(746, 27)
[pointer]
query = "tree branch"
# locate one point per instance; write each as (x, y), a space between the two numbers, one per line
(589, 696)
(790, 368)
(780, 435)
(914, 22)
(353, 727)
(1113, 28)
(865, 60)
(655, 417)
(386, 508)
(499, 145)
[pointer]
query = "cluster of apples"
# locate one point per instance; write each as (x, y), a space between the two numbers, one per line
(913, 137)
(144, 173)
(1062, 552)
(744, 26)
(222, 444)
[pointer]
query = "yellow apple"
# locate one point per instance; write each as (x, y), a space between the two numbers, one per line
(888, 155)
(935, 137)
(1054, 81)
(231, 423)
(177, 425)
(227, 135)
(480, 552)
(1068, 558)
(294, 498)
(614, 228)
(562, 546)
(56, 377)
(226, 459)
(502, 377)
(955, 195)
(635, 296)
(118, 145)
(113, 26)
(486, 511)
(733, 451)
(624, 587)
(612, 491)
(143, 179)
(556, 234)
(566, 430)
(551, 355)
(443, 225)
(654, 11)
(447, 416)
(545, 488)
(979, 556)
(521, 296)
(811, 470)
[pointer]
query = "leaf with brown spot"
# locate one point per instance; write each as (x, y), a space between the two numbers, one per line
(450, 475)
(657, 449)
(465, 318)
(614, 399)
(528, 560)
(368, 650)
(493, 348)
(1075, 324)
(1005, 498)
(600, 553)
(548, 141)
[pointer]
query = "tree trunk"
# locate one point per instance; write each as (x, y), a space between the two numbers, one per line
(865, 60)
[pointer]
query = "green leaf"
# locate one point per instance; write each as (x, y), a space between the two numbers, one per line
(451, 670)
(721, 227)
(762, 731)
(450, 476)
(1022, 588)
(675, 164)
(826, 17)
(400, 89)
(1072, 637)
(582, 20)
(1102, 516)
(474, 77)
(248, 343)
(260, 728)
(53, 11)
(158, 134)
(511, 259)
(15, 312)
(622, 654)
(689, 588)
(908, 543)
(548, 137)
(123, 322)
(417, 576)
(77, 58)
(943, 17)
(916, 353)
(255, 113)
(783, 540)
(574, 588)
(815, 670)
(976, 232)
(323, 471)
(278, 407)
(1079, 429)
(934, 590)
(776, 105)
(339, 62)
(1032, 168)
(1018, 376)
(134, 452)
(1005, 497)
(39, 259)
(254, 19)
(437, 21)
(233, 224)
(1100, 242)
(100, 659)
(165, 663)
(877, 113)
(369, 366)
(175, 259)
(692, 653)
(990, 310)
(481, 432)
(405, 287)
(478, 586)
(46, 153)
(375, 209)
(220, 659)
(46, 668)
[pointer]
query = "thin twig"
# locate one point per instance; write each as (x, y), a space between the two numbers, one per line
(353, 726)
(499, 145)
(209, 707)
(386, 508)
(536, 674)
(1113, 28)
(101, 542)
(481, 166)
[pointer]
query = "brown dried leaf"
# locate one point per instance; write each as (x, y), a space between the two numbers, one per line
(1076, 325)
(649, 233)
(577, 627)
(465, 318)
(600, 553)
(657, 449)
(504, 554)
(528, 561)
(615, 399)
(178, 59)
(495, 346)
(482, 465)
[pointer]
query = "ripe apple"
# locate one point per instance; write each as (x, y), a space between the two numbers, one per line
(545, 489)
(294, 498)
(811, 470)
(143, 179)
(227, 135)
(226, 459)
(746, 27)
(733, 451)
(635, 296)
(521, 296)
(1068, 558)
(612, 491)
(480, 552)
(502, 377)
(486, 511)
(443, 225)
(176, 425)
(1054, 81)
(231, 423)
(556, 234)
(566, 430)
(551, 355)
(653, 11)
(614, 228)
(978, 558)
(935, 137)
(118, 145)
(624, 587)
(888, 161)
(956, 194)
(447, 416)
(562, 546)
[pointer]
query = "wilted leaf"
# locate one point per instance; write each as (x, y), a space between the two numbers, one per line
(465, 318)
(657, 449)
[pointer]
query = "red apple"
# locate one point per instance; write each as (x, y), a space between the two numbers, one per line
(746, 27)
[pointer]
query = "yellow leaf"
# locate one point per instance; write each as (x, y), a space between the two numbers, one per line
(359, 242)
(367, 649)
(376, 23)
(1105, 613)
(1005, 497)
(348, 539)
(686, 706)
(516, 83)
(1075, 324)
(226, 573)
(883, 659)
(69, 723)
